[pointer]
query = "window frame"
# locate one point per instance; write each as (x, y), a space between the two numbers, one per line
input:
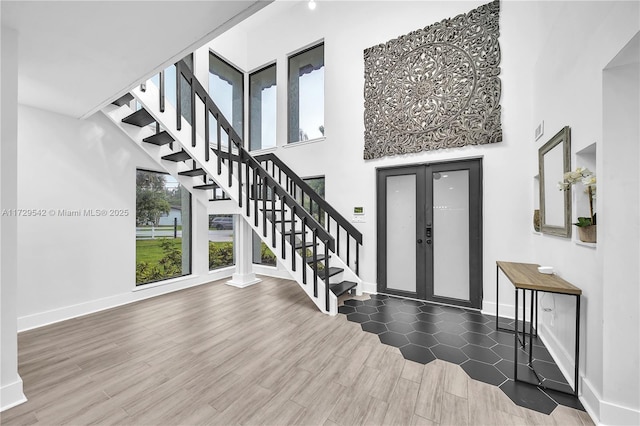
(241, 133)
(273, 64)
(289, 57)
(190, 216)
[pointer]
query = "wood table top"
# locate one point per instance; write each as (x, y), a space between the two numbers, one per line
(526, 276)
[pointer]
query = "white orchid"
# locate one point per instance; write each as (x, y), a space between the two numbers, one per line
(588, 179)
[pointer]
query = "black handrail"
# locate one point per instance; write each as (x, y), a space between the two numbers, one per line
(261, 177)
(314, 197)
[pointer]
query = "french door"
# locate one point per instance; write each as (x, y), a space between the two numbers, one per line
(430, 232)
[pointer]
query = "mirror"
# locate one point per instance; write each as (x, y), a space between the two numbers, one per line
(554, 160)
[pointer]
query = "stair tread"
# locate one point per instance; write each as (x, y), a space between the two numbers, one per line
(124, 99)
(177, 156)
(343, 287)
(162, 138)
(332, 271)
(139, 118)
(206, 186)
(308, 244)
(319, 258)
(193, 173)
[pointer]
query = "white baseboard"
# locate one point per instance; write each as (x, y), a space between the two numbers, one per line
(371, 288)
(12, 395)
(506, 311)
(590, 399)
(271, 271)
(612, 414)
(41, 319)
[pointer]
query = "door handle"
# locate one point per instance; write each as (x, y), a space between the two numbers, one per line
(419, 241)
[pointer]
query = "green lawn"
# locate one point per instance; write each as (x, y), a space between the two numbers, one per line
(151, 251)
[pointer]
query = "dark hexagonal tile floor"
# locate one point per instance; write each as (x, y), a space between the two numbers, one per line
(424, 332)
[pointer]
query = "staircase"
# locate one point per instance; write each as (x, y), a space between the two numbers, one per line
(208, 157)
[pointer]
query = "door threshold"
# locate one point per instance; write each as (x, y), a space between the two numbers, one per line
(432, 302)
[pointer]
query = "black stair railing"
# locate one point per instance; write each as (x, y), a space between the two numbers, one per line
(283, 208)
(298, 188)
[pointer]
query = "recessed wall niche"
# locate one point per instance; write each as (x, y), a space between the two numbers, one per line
(434, 88)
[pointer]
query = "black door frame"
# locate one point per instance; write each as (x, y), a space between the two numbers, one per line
(424, 272)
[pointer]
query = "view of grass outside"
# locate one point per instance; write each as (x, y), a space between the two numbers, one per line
(221, 233)
(163, 237)
(262, 254)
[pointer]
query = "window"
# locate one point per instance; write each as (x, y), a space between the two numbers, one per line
(163, 228)
(221, 236)
(317, 184)
(262, 254)
(170, 88)
(262, 108)
(226, 88)
(306, 95)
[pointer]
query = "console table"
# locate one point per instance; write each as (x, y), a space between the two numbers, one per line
(525, 276)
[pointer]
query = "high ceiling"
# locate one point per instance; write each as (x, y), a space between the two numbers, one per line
(77, 56)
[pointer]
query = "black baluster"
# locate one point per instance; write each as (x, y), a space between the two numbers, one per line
(315, 262)
(273, 216)
(162, 91)
(207, 141)
(219, 135)
(293, 237)
(304, 250)
(193, 113)
(326, 274)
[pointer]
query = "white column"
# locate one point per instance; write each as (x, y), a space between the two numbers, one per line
(244, 276)
(11, 393)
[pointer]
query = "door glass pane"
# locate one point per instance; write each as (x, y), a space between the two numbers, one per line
(451, 234)
(401, 233)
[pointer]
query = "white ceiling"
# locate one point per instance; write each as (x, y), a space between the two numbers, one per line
(77, 56)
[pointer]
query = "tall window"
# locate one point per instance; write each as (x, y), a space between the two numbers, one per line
(306, 95)
(163, 228)
(262, 108)
(226, 88)
(221, 231)
(170, 88)
(317, 184)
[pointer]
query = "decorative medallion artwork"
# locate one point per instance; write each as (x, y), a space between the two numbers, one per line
(434, 88)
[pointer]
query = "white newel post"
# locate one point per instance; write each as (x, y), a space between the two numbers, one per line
(244, 276)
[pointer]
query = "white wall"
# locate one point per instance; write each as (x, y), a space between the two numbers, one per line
(348, 28)
(553, 54)
(621, 242)
(580, 40)
(71, 266)
(10, 382)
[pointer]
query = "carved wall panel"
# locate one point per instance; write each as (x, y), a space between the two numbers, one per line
(434, 88)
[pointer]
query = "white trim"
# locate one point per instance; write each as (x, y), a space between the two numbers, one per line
(169, 281)
(590, 400)
(41, 319)
(271, 271)
(307, 142)
(243, 280)
(371, 288)
(12, 395)
(506, 311)
(612, 414)
(262, 151)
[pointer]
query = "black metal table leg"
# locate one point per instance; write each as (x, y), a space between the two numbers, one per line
(577, 355)
(531, 328)
(515, 343)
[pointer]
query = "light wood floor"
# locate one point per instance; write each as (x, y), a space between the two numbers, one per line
(216, 354)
